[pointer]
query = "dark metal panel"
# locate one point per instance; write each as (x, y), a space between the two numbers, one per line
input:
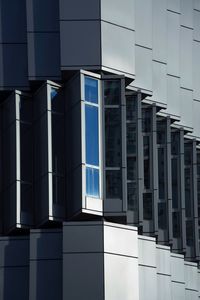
(155, 169)
(79, 10)
(182, 172)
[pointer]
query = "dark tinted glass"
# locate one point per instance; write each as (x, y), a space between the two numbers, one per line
(112, 92)
(161, 132)
(58, 189)
(188, 153)
(58, 145)
(176, 224)
(161, 172)
(113, 184)
(162, 215)
(147, 204)
(92, 135)
(175, 142)
(131, 138)
(188, 192)
(175, 180)
(113, 137)
(131, 168)
(91, 90)
(131, 108)
(26, 152)
(189, 232)
(26, 197)
(92, 182)
(146, 120)
(132, 196)
(26, 110)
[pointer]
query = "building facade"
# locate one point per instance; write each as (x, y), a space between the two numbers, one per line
(100, 149)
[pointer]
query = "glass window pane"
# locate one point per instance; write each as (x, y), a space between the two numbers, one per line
(91, 90)
(146, 120)
(176, 224)
(92, 135)
(112, 92)
(92, 182)
(175, 183)
(113, 137)
(131, 168)
(113, 184)
(162, 215)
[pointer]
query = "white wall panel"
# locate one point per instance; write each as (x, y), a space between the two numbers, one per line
(118, 48)
(191, 295)
(173, 43)
(143, 22)
(196, 70)
(164, 287)
(121, 241)
(163, 259)
(191, 276)
(186, 58)
(159, 30)
(143, 68)
(159, 82)
(178, 291)
(147, 251)
(118, 12)
(121, 278)
(196, 15)
(148, 283)
(187, 13)
(174, 5)
(173, 95)
(177, 268)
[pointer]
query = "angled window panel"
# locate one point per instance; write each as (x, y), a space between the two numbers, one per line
(114, 151)
(18, 157)
(84, 163)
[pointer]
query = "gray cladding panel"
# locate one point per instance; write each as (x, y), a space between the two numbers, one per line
(187, 13)
(45, 280)
(143, 25)
(14, 252)
(163, 259)
(159, 30)
(14, 281)
(79, 10)
(13, 21)
(118, 48)
(86, 36)
(118, 12)
(196, 114)
(174, 5)
(83, 276)
(186, 58)
(173, 43)
(196, 16)
(196, 70)
(45, 244)
(164, 287)
(82, 238)
(42, 15)
(43, 55)
(186, 107)
(173, 95)
(196, 4)
(14, 58)
(159, 82)
(143, 68)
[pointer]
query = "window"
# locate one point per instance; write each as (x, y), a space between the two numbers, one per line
(92, 136)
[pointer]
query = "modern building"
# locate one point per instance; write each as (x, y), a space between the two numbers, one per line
(99, 149)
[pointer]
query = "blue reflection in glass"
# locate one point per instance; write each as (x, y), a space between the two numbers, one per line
(91, 90)
(92, 182)
(54, 92)
(92, 135)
